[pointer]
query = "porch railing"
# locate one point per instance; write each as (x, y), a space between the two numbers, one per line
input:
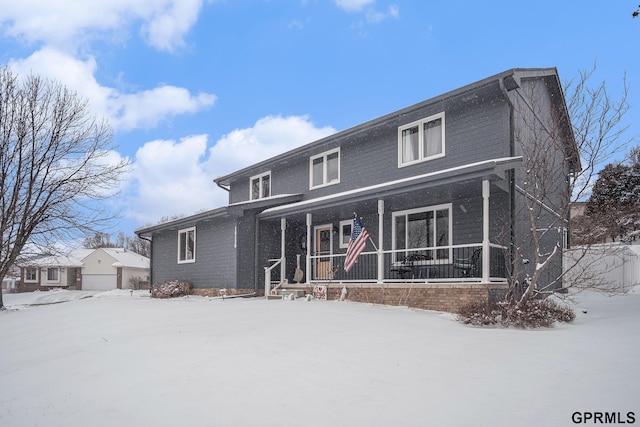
(269, 283)
(442, 264)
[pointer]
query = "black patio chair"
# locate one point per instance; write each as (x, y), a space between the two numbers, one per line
(469, 267)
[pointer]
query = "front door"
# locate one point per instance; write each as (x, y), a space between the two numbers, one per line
(323, 249)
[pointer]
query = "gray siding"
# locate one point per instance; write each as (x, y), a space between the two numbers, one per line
(215, 264)
(479, 125)
(474, 131)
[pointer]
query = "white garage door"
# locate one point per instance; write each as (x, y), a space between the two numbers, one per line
(99, 282)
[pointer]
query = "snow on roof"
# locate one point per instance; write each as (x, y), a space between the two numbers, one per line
(76, 258)
(125, 258)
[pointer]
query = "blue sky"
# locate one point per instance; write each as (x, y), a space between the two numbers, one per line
(195, 89)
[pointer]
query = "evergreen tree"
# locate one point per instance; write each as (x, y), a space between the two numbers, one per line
(614, 204)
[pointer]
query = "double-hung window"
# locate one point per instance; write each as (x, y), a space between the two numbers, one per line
(31, 274)
(421, 140)
(345, 232)
(324, 169)
(187, 245)
(260, 186)
(53, 275)
(421, 231)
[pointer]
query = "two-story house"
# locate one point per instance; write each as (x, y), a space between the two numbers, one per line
(436, 186)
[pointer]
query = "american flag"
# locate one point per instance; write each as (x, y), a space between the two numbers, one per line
(357, 243)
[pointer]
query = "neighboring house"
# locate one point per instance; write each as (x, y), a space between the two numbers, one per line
(436, 186)
(113, 268)
(87, 269)
(52, 271)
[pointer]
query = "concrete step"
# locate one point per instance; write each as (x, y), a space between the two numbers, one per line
(287, 294)
(297, 293)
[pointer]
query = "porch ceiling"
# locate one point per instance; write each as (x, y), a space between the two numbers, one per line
(491, 170)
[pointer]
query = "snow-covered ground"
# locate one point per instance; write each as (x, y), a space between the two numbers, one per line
(113, 358)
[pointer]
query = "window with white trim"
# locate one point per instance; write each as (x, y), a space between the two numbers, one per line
(53, 275)
(260, 186)
(345, 232)
(31, 274)
(421, 231)
(421, 140)
(324, 169)
(187, 245)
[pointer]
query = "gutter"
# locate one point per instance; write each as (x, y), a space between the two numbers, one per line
(511, 172)
(219, 184)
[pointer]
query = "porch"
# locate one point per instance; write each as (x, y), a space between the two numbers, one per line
(446, 234)
(444, 265)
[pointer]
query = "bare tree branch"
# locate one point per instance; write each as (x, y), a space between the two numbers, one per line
(56, 167)
(597, 125)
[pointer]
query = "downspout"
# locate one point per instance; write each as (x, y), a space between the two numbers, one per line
(256, 261)
(255, 269)
(511, 175)
(150, 260)
(227, 189)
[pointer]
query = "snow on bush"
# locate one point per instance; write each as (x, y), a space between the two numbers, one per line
(172, 289)
(535, 313)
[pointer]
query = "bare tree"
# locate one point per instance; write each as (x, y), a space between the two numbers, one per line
(103, 240)
(98, 240)
(546, 195)
(56, 167)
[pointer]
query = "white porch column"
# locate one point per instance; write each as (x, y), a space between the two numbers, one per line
(380, 240)
(486, 249)
(307, 257)
(283, 262)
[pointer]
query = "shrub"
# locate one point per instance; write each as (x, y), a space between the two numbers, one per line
(478, 314)
(172, 289)
(535, 313)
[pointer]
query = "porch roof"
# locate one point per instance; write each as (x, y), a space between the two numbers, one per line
(234, 209)
(491, 170)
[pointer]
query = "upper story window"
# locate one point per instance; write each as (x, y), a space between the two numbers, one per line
(421, 140)
(53, 274)
(260, 186)
(31, 274)
(325, 169)
(187, 245)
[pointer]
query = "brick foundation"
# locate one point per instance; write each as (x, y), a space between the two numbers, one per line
(439, 297)
(215, 292)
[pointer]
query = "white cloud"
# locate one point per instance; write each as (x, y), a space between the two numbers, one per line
(173, 178)
(374, 17)
(163, 23)
(169, 179)
(125, 111)
(268, 137)
(353, 5)
(147, 108)
(166, 28)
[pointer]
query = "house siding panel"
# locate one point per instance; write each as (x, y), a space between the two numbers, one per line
(215, 265)
(474, 131)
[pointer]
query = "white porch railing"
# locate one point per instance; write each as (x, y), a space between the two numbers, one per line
(267, 276)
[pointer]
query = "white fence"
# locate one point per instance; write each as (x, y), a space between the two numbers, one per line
(612, 266)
